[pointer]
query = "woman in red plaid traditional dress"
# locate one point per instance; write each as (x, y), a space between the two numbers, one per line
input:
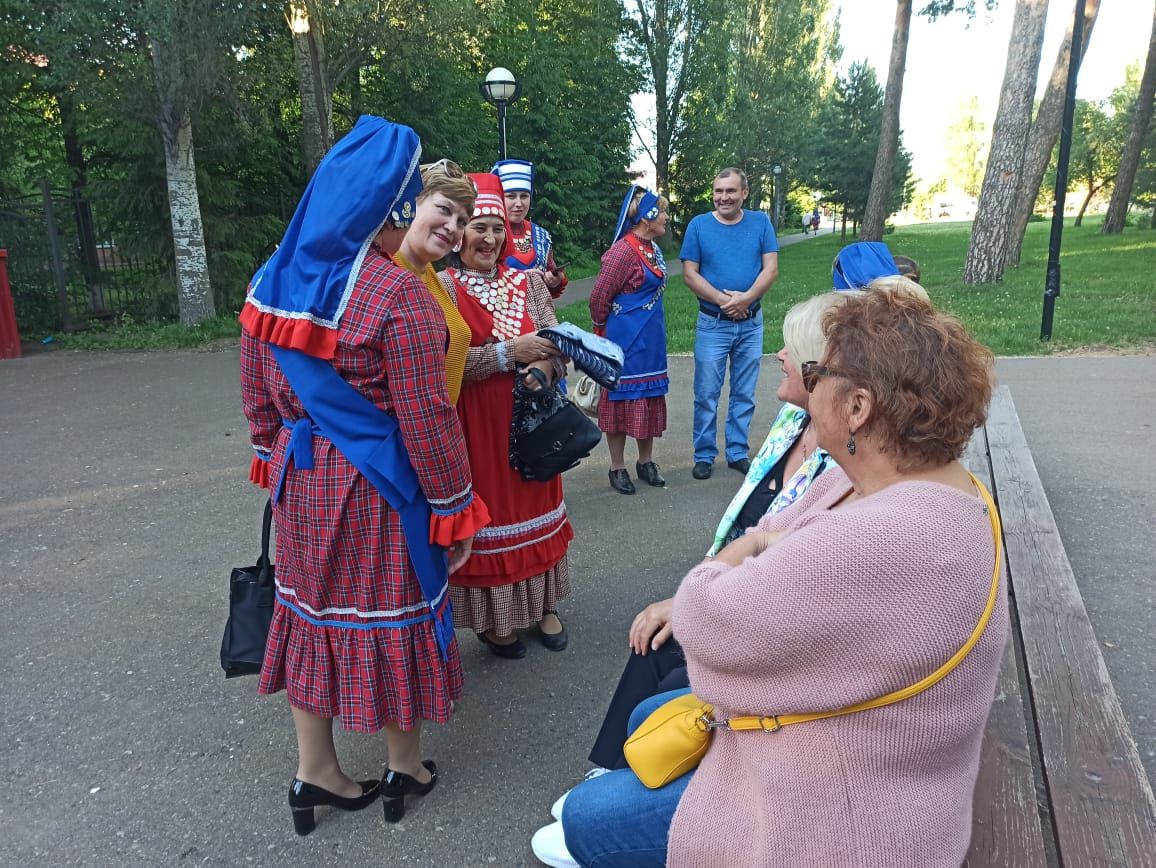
(519, 569)
(355, 633)
(626, 307)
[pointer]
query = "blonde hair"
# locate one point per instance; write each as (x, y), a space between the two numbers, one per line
(803, 326)
(446, 177)
(900, 285)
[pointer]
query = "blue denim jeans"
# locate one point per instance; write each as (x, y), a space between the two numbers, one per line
(613, 821)
(715, 342)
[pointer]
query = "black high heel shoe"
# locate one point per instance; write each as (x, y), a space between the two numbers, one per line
(304, 797)
(396, 786)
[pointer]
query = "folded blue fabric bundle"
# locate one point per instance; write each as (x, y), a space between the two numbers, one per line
(591, 354)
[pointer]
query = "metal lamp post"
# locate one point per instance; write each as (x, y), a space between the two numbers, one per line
(499, 88)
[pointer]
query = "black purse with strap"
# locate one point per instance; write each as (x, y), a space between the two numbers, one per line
(251, 593)
(549, 435)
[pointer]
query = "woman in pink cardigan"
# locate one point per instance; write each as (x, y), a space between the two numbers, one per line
(875, 579)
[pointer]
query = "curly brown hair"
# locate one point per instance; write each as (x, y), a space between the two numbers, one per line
(931, 381)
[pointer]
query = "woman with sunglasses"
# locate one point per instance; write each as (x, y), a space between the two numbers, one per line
(884, 577)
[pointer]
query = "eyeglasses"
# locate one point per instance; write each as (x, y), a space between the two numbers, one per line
(444, 166)
(811, 371)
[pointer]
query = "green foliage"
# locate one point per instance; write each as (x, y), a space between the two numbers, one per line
(966, 142)
(850, 123)
(128, 334)
(753, 99)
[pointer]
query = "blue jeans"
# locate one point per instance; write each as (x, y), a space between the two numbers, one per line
(715, 342)
(613, 821)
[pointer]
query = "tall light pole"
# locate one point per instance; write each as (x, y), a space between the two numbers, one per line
(778, 170)
(1052, 274)
(499, 88)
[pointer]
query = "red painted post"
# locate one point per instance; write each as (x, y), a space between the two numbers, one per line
(9, 334)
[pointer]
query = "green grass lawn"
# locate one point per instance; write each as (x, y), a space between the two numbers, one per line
(1108, 289)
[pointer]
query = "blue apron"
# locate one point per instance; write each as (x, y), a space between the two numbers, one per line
(638, 325)
(371, 441)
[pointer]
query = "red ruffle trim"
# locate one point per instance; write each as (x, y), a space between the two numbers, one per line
(445, 530)
(259, 472)
(293, 334)
(484, 570)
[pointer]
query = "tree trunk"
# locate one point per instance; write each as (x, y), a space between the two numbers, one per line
(194, 293)
(1130, 158)
(312, 85)
(881, 179)
(1042, 138)
(1079, 221)
(986, 251)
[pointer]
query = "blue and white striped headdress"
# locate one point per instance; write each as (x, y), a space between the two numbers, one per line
(647, 210)
(515, 175)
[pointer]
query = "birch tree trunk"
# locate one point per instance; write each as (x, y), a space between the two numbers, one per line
(312, 85)
(194, 293)
(1130, 158)
(1042, 138)
(987, 250)
(880, 192)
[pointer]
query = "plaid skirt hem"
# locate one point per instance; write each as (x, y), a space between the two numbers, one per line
(366, 678)
(642, 418)
(516, 606)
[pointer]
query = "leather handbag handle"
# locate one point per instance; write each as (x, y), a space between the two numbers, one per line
(264, 576)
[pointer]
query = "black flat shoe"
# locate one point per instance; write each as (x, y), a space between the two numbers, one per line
(649, 474)
(515, 650)
(304, 797)
(620, 482)
(742, 465)
(701, 470)
(396, 786)
(554, 641)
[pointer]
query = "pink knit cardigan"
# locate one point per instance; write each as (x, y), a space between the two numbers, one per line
(849, 605)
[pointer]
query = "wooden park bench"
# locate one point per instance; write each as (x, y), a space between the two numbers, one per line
(1060, 779)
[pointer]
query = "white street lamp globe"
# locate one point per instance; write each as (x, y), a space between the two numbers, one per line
(500, 85)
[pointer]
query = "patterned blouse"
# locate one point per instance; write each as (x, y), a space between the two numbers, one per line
(787, 427)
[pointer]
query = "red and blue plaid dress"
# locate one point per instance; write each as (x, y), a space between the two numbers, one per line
(341, 644)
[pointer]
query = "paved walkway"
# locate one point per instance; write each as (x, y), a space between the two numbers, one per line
(124, 502)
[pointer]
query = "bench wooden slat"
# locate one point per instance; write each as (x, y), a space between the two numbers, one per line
(1102, 805)
(1005, 828)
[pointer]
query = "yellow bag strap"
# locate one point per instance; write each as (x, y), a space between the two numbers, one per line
(775, 722)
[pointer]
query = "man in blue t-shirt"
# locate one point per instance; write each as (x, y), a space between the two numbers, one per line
(730, 258)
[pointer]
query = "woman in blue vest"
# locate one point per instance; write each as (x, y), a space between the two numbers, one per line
(626, 306)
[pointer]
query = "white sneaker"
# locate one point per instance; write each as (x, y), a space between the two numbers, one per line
(556, 808)
(549, 845)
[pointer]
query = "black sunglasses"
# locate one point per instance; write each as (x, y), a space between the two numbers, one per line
(811, 371)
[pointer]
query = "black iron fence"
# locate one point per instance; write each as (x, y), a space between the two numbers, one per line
(68, 270)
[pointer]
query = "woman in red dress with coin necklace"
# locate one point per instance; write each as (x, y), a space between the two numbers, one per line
(519, 569)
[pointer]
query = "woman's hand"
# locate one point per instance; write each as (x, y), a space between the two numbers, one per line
(652, 627)
(531, 348)
(459, 553)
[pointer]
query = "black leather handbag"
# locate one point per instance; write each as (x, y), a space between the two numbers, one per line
(549, 435)
(250, 610)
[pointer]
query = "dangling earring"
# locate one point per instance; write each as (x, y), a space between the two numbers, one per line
(851, 442)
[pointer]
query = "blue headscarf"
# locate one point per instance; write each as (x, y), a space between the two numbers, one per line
(298, 296)
(860, 263)
(647, 210)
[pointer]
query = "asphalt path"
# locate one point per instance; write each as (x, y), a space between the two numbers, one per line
(124, 503)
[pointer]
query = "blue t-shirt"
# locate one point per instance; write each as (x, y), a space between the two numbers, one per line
(729, 256)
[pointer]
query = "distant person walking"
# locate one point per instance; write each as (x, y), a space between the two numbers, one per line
(815, 219)
(730, 259)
